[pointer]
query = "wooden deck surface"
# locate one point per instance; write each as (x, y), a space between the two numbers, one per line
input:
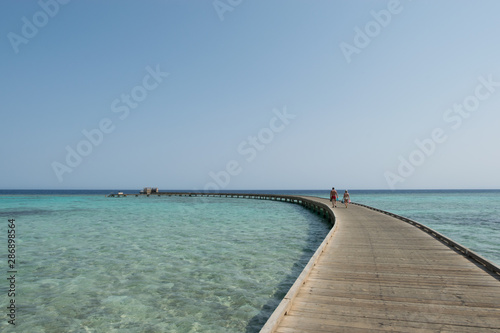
(379, 273)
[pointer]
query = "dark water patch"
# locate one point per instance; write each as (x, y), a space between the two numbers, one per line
(16, 213)
(61, 192)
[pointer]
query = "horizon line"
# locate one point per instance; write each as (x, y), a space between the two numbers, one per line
(247, 189)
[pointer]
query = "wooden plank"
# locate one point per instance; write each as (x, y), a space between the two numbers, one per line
(339, 323)
(446, 296)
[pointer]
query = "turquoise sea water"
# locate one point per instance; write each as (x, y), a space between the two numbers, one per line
(87, 263)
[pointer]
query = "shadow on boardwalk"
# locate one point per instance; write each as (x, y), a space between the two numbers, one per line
(315, 237)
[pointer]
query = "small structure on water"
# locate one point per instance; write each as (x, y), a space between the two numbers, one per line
(150, 190)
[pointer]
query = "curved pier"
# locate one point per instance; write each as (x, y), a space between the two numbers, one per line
(388, 273)
(377, 271)
(320, 208)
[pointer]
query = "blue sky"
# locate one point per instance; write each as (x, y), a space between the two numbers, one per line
(249, 94)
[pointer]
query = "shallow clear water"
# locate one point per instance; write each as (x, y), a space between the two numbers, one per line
(158, 264)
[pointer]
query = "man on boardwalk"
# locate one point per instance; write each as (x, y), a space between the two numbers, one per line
(333, 197)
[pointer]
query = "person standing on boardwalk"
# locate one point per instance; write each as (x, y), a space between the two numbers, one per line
(333, 197)
(347, 198)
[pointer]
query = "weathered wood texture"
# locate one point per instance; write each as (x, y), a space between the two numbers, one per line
(379, 273)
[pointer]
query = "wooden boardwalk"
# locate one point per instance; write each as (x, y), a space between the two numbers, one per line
(378, 273)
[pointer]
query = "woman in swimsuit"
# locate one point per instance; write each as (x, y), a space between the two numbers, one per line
(346, 198)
